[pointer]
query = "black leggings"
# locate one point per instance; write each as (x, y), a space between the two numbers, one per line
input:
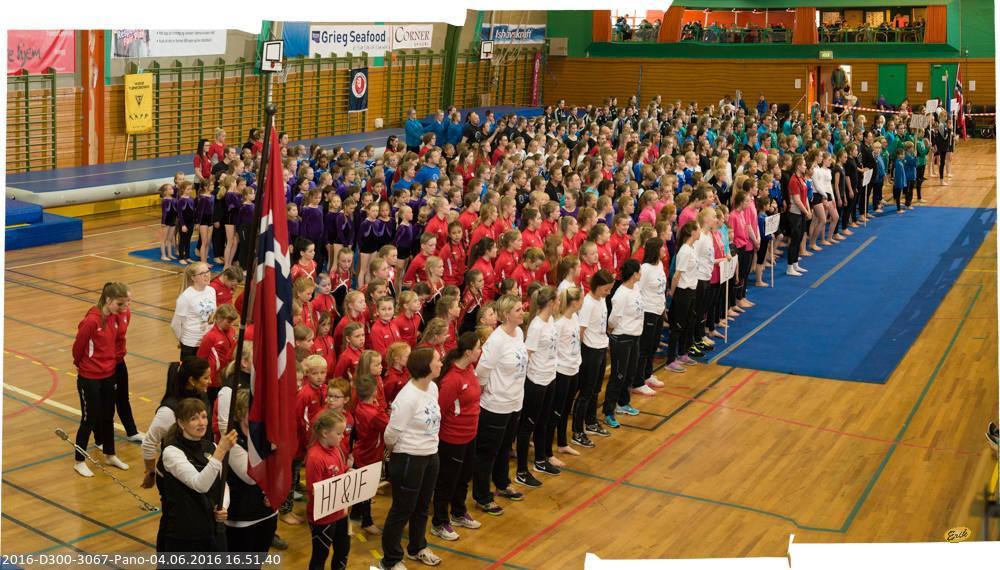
(452, 486)
(493, 438)
(652, 331)
(413, 478)
(745, 261)
(325, 536)
(920, 180)
(850, 213)
(701, 310)
(97, 413)
(795, 234)
(624, 363)
(121, 399)
(535, 414)
(184, 238)
(591, 376)
(942, 160)
(563, 391)
(682, 323)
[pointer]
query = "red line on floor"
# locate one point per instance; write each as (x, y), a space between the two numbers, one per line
(46, 395)
(611, 486)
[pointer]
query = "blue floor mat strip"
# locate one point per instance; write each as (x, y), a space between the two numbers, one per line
(164, 167)
(857, 322)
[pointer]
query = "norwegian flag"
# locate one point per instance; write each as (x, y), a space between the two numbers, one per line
(272, 439)
(960, 101)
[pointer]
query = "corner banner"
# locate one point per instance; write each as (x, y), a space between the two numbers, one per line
(359, 90)
(138, 103)
(35, 51)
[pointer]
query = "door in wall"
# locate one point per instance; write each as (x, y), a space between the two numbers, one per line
(938, 73)
(892, 82)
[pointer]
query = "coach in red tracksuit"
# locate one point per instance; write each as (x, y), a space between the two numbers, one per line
(94, 355)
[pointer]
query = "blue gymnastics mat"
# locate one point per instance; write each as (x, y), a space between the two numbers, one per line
(863, 302)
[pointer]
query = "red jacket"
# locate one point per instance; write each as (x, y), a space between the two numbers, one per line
(415, 271)
(383, 335)
(321, 464)
(323, 346)
(606, 257)
(439, 228)
(217, 348)
(621, 248)
(407, 328)
(394, 382)
(370, 421)
(547, 228)
(338, 333)
(479, 233)
(223, 294)
(524, 277)
(505, 263)
(95, 344)
(308, 403)
(347, 363)
(121, 321)
(324, 304)
(458, 396)
(490, 285)
(586, 272)
(530, 238)
(569, 246)
(467, 219)
(453, 257)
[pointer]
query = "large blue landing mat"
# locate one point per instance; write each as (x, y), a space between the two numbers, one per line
(863, 302)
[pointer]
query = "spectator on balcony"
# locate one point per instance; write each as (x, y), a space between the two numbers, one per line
(762, 105)
(623, 28)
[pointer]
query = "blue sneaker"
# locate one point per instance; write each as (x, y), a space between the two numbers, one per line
(627, 410)
(611, 422)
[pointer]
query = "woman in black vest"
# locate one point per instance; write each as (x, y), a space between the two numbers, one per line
(188, 477)
(188, 379)
(252, 521)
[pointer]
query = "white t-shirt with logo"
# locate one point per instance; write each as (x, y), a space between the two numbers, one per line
(594, 318)
(542, 341)
(502, 369)
(626, 312)
(415, 420)
(653, 287)
(568, 357)
(194, 309)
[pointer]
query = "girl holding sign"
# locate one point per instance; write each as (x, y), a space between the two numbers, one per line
(324, 460)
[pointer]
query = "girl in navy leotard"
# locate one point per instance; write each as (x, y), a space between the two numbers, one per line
(203, 207)
(370, 233)
(168, 223)
(330, 219)
(244, 225)
(185, 221)
(232, 198)
(311, 226)
(388, 223)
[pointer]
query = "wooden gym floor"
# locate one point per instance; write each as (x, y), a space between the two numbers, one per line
(722, 463)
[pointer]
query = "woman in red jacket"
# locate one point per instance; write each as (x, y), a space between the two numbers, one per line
(458, 397)
(94, 355)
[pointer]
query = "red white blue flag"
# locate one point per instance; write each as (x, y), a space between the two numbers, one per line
(960, 101)
(272, 439)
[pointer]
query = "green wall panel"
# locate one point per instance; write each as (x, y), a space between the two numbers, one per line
(976, 31)
(577, 25)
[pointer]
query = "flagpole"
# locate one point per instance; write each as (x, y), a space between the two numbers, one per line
(270, 110)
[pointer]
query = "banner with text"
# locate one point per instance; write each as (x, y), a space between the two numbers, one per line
(514, 33)
(342, 39)
(342, 491)
(138, 103)
(167, 43)
(35, 51)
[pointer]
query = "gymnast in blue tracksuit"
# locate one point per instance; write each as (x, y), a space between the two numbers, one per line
(414, 131)
(899, 179)
(453, 132)
(911, 171)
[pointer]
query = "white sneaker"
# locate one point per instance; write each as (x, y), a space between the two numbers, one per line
(113, 461)
(801, 269)
(644, 390)
(137, 437)
(653, 382)
(791, 271)
(82, 469)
